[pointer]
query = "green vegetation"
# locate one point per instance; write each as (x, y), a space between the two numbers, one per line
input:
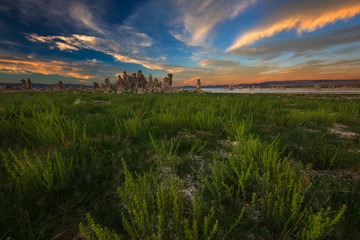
(179, 166)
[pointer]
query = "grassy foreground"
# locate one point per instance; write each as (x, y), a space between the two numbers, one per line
(179, 166)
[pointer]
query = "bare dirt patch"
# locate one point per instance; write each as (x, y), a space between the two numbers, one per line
(351, 97)
(339, 129)
(311, 130)
(336, 174)
(100, 101)
(105, 137)
(77, 101)
(224, 148)
(185, 135)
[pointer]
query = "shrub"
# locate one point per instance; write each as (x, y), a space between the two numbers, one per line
(95, 232)
(30, 173)
(155, 209)
(255, 174)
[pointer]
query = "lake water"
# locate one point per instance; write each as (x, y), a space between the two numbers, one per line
(278, 90)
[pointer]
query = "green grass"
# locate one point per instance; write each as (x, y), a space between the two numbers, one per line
(178, 166)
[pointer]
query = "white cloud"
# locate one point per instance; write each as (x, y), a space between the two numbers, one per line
(81, 13)
(109, 47)
(63, 46)
(199, 18)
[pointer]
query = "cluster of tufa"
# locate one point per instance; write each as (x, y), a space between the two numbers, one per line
(136, 83)
(26, 84)
(60, 86)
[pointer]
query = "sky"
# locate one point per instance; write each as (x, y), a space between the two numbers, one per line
(218, 41)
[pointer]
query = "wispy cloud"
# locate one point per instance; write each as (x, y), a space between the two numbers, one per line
(301, 46)
(64, 46)
(66, 15)
(219, 63)
(82, 17)
(199, 18)
(80, 12)
(123, 41)
(303, 16)
(76, 42)
(26, 65)
(109, 47)
(148, 64)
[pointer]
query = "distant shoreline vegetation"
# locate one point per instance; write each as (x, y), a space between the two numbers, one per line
(353, 83)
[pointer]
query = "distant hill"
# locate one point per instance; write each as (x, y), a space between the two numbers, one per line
(290, 83)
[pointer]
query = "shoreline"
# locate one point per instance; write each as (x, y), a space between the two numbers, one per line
(214, 91)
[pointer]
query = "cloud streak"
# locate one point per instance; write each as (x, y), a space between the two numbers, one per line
(80, 12)
(301, 46)
(301, 19)
(62, 14)
(148, 64)
(109, 47)
(25, 65)
(199, 18)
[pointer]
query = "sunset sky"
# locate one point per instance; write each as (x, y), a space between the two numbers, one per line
(218, 41)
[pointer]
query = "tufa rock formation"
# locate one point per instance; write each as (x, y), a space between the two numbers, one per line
(167, 82)
(59, 86)
(26, 84)
(29, 84)
(107, 86)
(71, 86)
(231, 86)
(23, 84)
(198, 85)
(96, 86)
(138, 83)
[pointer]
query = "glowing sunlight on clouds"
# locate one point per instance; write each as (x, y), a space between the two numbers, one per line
(302, 22)
(27, 65)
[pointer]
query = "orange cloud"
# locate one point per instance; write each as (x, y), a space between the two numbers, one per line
(17, 66)
(63, 46)
(303, 22)
(148, 64)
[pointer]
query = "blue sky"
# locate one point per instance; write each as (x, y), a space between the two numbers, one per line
(218, 41)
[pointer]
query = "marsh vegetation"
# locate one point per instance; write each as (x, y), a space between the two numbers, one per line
(179, 166)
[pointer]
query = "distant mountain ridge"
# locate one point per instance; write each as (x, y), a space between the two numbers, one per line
(289, 83)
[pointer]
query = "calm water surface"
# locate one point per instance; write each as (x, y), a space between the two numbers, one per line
(278, 90)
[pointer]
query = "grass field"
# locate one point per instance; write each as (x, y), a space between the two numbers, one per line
(179, 166)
